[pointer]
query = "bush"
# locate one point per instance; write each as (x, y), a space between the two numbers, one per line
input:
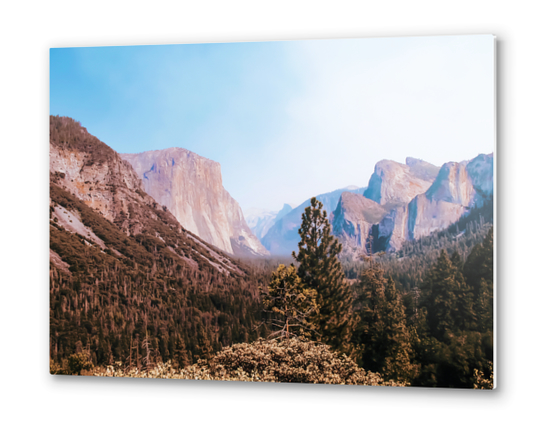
(78, 362)
(292, 361)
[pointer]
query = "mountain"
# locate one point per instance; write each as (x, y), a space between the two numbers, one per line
(418, 198)
(353, 220)
(261, 220)
(283, 237)
(84, 168)
(393, 183)
(123, 270)
(458, 188)
(190, 186)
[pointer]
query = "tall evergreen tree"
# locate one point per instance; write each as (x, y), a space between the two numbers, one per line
(479, 264)
(439, 296)
(382, 335)
(478, 272)
(320, 269)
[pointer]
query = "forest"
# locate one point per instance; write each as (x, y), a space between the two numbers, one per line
(437, 332)
(160, 302)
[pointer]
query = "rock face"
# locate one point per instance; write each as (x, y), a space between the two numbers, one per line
(96, 174)
(395, 183)
(353, 221)
(458, 188)
(418, 199)
(190, 186)
(283, 237)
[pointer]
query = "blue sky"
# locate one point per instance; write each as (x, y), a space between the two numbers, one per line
(286, 120)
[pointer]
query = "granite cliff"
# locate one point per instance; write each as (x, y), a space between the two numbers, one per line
(415, 200)
(190, 186)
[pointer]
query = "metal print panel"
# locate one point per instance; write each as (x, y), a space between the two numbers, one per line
(303, 211)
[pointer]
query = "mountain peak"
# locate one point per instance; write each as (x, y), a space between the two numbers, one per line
(397, 183)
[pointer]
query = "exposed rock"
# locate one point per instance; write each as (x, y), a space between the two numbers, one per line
(190, 186)
(96, 174)
(71, 221)
(455, 190)
(394, 183)
(353, 220)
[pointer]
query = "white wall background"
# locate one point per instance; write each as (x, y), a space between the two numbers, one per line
(29, 29)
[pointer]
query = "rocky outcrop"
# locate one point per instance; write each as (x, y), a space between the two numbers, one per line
(394, 183)
(190, 186)
(283, 237)
(96, 174)
(458, 188)
(353, 221)
(417, 199)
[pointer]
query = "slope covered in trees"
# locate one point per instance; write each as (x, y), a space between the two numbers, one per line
(137, 288)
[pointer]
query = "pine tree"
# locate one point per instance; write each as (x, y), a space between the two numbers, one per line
(320, 270)
(382, 335)
(399, 356)
(479, 264)
(478, 272)
(440, 288)
(290, 305)
(369, 334)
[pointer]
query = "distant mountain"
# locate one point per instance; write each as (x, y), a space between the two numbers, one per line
(393, 183)
(283, 237)
(190, 186)
(261, 220)
(418, 199)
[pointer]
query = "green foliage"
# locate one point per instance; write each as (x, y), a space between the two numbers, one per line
(409, 265)
(382, 336)
(455, 323)
(68, 134)
(320, 270)
(291, 306)
(441, 289)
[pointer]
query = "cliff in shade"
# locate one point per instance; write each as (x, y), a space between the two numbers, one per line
(353, 219)
(190, 186)
(410, 201)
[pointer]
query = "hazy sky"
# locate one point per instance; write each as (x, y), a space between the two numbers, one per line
(287, 120)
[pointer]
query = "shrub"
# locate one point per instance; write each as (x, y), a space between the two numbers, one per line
(292, 361)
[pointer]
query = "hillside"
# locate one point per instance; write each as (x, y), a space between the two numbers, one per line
(125, 274)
